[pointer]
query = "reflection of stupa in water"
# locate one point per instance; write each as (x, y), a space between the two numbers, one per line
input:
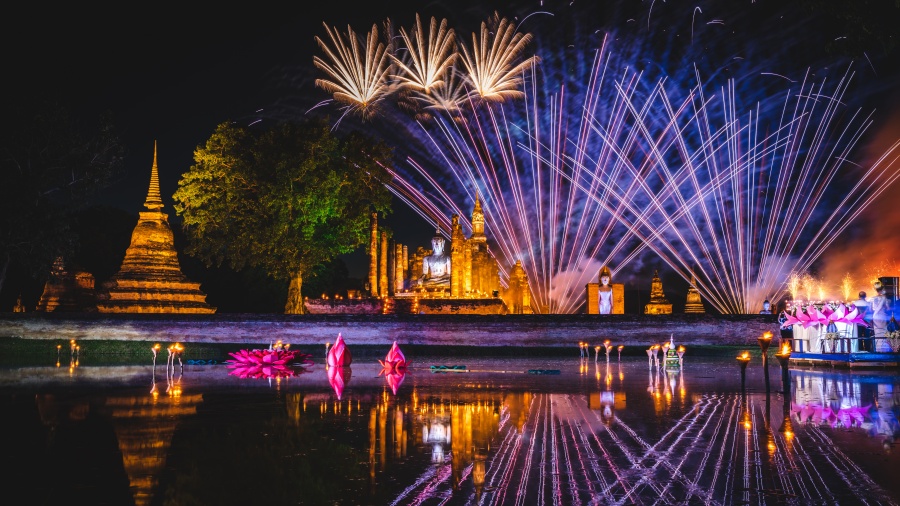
(144, 427)
(150, 278)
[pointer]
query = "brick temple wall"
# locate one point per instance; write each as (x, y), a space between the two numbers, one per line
(455, 330)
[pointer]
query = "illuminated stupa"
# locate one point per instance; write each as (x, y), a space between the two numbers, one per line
(693, 303)
(658, 302)
(150, 278)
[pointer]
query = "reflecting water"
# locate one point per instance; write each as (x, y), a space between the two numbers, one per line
(507, 431)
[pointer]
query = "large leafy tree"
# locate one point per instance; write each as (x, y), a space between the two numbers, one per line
(51, 166)
(285, 198)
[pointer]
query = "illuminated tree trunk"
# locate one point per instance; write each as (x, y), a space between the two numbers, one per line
(294, 304)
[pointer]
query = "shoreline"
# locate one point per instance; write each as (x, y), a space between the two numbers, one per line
(530, 331)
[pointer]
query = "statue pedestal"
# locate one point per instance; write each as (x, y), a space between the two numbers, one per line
(593, 298)
(432, 292)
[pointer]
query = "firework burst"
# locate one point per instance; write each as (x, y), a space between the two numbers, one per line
(429, 56)
(357, 72)
(493, 65)
(608, 159)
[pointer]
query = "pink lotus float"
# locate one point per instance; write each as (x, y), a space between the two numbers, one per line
(339, 355)
(278, 363)
(813, 316)
(394, 361)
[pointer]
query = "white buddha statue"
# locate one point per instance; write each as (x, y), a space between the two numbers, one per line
(605, 291)
(436, 266)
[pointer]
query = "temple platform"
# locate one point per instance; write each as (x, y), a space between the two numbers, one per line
(851, 360)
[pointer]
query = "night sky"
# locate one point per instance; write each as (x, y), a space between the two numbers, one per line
(172, 74)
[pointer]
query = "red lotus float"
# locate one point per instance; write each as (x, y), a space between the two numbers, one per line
(278, 363)
(394, 361)
(339, 355)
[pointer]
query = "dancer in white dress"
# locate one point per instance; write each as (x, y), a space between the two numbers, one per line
(880, 318)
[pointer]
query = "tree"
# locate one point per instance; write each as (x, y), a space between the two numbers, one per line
(51, 166)
(286, 198)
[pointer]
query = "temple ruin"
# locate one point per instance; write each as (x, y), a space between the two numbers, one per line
(150, 278)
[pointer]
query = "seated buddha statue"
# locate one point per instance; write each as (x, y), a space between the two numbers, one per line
(436, 266)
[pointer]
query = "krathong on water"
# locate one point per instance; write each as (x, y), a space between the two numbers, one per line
(394, 361)
(339, 355)
(275, 363)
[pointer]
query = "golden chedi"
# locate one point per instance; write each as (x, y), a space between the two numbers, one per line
(150, 278)
(693, 304)
(658, 302)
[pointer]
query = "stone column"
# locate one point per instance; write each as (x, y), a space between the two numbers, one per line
(467, 269)
(456, 258)
(383, 278)
(373, 257)
(406, 273)
(399, 277)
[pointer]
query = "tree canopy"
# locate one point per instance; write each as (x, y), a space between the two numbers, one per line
(284, 198)
(51, 166)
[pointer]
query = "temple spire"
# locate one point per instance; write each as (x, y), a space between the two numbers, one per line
(154, 201)
(478, 220)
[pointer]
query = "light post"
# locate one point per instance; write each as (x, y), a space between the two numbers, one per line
(784, 357)
(764, 341)
(680, 352)
(608, 347)
(619, 348)
(743, 360)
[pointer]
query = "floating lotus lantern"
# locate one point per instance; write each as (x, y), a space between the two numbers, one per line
(275, 363)
(339, 355)
(395, 360)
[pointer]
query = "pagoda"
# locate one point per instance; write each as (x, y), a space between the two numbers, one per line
(693, 304)
(150, 278)
(658, 302)
(67, 291)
